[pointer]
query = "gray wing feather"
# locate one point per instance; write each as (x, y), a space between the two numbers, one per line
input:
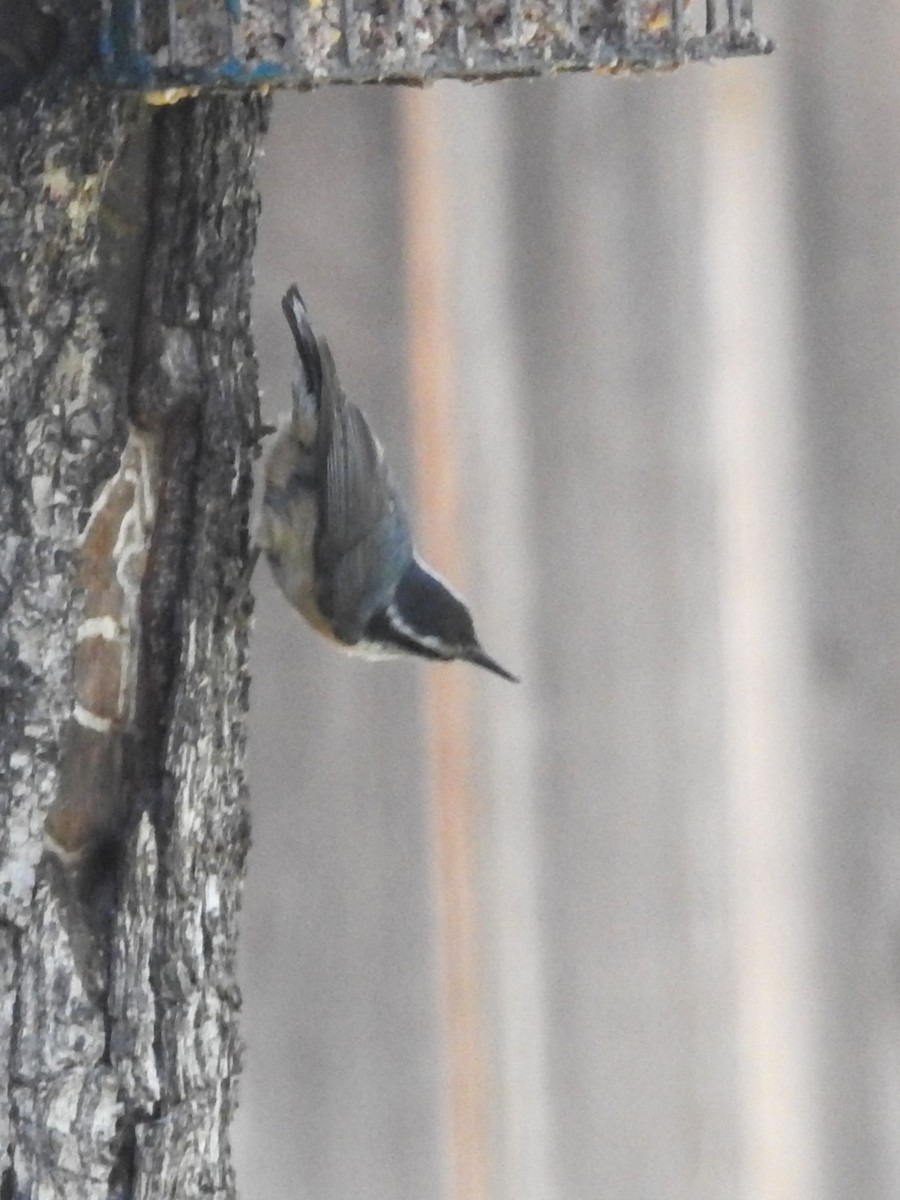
(363, 541)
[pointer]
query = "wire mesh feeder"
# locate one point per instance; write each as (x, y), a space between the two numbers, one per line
(183, 43)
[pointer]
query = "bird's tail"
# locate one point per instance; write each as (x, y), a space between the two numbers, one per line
(307, 344)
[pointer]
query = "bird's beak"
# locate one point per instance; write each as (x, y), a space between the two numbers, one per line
(476, 655)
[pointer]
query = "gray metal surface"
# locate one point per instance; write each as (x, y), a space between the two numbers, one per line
(675, 306)
(341, 1091)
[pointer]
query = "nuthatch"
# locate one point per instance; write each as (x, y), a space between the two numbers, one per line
(335, 530)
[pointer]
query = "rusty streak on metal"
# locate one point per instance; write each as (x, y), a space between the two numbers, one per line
(447, 689)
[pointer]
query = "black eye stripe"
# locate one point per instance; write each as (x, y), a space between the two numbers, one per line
(380, 631)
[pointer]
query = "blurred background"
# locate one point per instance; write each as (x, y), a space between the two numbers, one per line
(630, 929)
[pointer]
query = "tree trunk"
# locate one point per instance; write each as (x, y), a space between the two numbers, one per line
(128, 400)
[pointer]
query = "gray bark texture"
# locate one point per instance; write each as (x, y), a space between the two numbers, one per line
(207, 42)
(128, 402)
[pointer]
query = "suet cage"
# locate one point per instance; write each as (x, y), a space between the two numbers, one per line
(305, 43)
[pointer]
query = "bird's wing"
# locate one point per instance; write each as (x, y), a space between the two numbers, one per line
(363, 538)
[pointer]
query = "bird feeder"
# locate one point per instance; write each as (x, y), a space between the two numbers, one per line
(199, 43)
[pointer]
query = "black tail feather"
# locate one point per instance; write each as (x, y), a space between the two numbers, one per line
(307, 343)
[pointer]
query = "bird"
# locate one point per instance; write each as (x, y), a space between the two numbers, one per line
(335, 530)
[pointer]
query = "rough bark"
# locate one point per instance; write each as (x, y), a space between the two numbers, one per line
(414, 41)
(127, 430)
